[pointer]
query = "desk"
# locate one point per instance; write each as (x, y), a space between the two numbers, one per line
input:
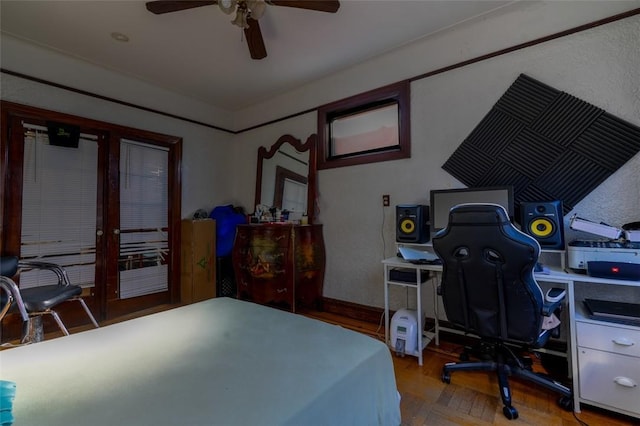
(604, 357)
(397, 262)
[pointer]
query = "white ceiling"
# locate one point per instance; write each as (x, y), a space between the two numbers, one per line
(199, 53)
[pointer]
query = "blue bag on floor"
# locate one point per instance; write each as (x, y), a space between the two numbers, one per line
(226, 219)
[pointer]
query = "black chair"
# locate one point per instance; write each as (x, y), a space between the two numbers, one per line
(489, 290)
(10, 293)
(37, 301)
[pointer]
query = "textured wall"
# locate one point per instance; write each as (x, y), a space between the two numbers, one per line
(547, 144)
(600, 66)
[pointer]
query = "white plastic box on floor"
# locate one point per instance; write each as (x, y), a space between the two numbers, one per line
(404, 332)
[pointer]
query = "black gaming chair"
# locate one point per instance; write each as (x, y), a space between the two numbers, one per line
(489, 290)
(37, 301)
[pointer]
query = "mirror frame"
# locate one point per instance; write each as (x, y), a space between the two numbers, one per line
(310, 145)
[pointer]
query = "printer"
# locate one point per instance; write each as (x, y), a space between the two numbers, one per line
(616, 258)
(581, 252)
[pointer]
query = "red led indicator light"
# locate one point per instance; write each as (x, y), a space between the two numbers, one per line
(615, 269)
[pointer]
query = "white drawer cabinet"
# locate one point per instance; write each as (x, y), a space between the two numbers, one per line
(610, 379)
(609, 337)
(607, 354)
(604, 356)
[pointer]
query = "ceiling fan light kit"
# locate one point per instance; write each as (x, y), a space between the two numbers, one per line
(244, 9)
(247, 14)
(256, 8)
(227, 6)
(241, 19)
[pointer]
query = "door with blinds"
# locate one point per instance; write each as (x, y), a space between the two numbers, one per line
(60, 190)
(106, 208)
(142, 234)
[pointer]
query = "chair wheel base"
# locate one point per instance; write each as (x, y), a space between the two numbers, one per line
(446, 377)
(566, 403)
(510, 412)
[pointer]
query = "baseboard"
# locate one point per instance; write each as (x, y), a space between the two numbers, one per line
(352, 310)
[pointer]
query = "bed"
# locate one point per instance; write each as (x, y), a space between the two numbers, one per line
(217, 362)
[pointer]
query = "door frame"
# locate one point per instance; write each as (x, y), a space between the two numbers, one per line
(11, 179)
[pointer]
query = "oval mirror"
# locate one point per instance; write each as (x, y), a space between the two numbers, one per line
(286, 175)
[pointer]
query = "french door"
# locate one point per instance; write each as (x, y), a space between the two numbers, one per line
(105, 209)
(58, 206)
(138, 234)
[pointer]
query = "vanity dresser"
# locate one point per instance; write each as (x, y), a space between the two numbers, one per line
(280, 265)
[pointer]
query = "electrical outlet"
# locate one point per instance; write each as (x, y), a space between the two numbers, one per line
(386, 200)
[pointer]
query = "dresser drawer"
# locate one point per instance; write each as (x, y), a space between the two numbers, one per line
(611, 338)
(610, 379)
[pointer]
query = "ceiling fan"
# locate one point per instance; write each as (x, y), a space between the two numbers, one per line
(247, 14)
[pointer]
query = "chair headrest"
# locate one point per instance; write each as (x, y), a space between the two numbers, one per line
(482, 219)
(8, 266)
(478, 214)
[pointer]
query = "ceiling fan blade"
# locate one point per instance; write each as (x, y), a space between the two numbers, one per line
(330, 6)
(160, 7)
(253, 34)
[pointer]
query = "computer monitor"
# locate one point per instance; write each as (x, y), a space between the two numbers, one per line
(442, 200)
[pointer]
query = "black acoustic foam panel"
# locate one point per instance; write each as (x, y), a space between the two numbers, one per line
(546, 143)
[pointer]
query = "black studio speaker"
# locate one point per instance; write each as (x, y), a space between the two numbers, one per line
(543, 220)
(412, 223)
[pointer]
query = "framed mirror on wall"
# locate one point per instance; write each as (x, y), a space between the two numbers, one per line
(286, 176)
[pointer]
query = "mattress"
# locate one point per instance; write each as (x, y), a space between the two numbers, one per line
(217, 362)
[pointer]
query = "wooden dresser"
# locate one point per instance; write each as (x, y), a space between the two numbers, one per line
(280, 265)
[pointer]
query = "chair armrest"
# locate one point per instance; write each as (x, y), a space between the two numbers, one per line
(14, 295)
(63, 278)
(553, 301)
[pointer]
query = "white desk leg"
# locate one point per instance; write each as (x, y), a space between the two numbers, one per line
(419, 314)
(434, 281)
(572, 357)
(387, 337)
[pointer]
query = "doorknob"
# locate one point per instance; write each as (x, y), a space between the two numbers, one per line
(116, 231)
(99, 232)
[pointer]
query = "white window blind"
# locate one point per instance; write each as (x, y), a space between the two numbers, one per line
(144, 245)
(59, 199)
(294, 196)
